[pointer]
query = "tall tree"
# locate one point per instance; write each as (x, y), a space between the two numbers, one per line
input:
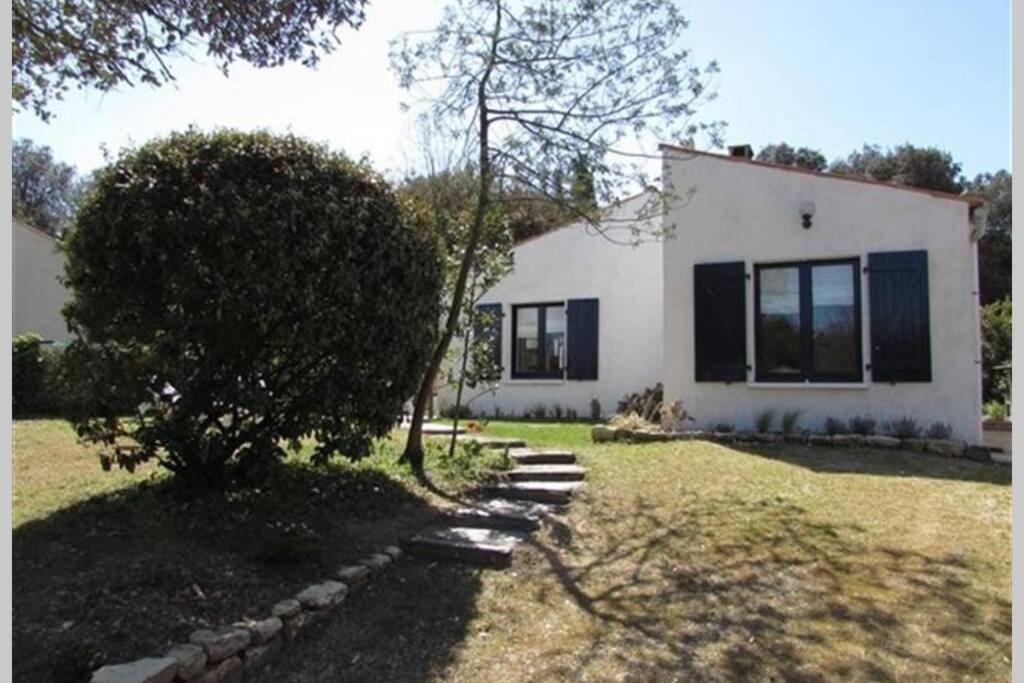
(995, 250)
(804, 157)
(44, 191)
(107, 43)
(535, 84)
(925, 167)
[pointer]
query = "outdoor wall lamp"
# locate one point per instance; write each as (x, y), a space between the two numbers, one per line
(807, 213)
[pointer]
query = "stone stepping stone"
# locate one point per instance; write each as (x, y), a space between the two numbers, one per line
(495, 513)
(547, 473)
(471, 545)
(492, 441)
(544, 456)
(556, 492)
(438, 428)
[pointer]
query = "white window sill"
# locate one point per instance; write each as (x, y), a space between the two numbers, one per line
(535, 381)
(807, 385)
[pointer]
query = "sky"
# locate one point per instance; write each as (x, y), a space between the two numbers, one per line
(826, 75)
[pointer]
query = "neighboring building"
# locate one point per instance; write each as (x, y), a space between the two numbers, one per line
(38, 295)
(782, 289)
(580, 318)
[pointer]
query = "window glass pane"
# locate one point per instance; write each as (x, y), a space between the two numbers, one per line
(527, 342)
(834, 318)
(554, 333)
(778, 344)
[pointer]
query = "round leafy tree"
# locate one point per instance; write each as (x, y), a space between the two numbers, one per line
(244, 290)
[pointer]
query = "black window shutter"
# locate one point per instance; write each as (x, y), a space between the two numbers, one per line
(582, 323)
(900, 335)
(720, 324)
(487, 325)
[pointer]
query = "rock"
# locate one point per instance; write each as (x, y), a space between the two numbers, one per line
(882, 441)
(602, 434)
(354, 576)
(149, 670)
(296, 624)
(767, 437)
(322, 595)
(191, 660)
(257, 657)
(222, 643)
(1001, 458)
(394, 552)
(623, 434)
(978, 453)
(947, 447)
(286, 608)
(819, 440)
(377, 562)
(264, 629)
(848, 440)
(723, 437)
(916, 445)
(231, 670)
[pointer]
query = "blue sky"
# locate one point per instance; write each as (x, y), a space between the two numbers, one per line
(829, 75)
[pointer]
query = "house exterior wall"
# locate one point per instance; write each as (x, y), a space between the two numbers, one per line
(574, 263)
(38, 295)
(742, 211)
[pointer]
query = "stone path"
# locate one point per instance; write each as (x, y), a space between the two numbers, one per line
(488, 531)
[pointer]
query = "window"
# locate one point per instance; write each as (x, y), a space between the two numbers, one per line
(807, 321)
(539, 350)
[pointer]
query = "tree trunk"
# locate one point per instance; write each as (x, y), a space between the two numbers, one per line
(413, 454)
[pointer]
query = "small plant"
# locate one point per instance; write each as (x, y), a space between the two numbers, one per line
(557, 411)
(644, 403)
(904, 427)
(538, 411)
(789, 421)
(498, 413)
(672, 414)
(763, 421)
(995, 410)
(725, 428)
(453, 411)
(939, 430)
(571, 414)
(833, 426)
(595, 410)
(863, 425)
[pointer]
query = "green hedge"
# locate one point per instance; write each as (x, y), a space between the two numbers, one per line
(34, 377)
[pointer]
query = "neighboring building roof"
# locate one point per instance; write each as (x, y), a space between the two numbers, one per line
(971, 200)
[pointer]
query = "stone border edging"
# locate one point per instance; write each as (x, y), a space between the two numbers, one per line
(950, 448)
(230, 653)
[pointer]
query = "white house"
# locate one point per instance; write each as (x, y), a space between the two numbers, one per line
(38, 294)
(780, 289)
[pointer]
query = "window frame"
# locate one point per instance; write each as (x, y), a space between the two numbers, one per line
(542, 316)
(807, 374)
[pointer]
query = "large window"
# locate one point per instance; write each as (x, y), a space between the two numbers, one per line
(539, 333)
(807, 325)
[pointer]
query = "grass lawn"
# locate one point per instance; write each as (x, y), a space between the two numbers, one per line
(693, 561)
(110, 566)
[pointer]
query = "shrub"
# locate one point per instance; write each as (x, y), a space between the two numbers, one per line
(556, 410)
(939, 430)
(253, 289)
(995, 410)
(789, 421)
(461, 412)
(595, 410)
(904, 427)
(32, 377)
(538, 411)
(724, 428)
(863, 425)
(763, 421)
(833, 426)
(628, 421)
(571, 414)
(644, 403)
(996, 351)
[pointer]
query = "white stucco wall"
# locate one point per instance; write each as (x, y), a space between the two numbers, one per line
(743, 211)
(38, 296)
(574, 263)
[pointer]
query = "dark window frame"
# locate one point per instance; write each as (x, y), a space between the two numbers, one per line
(807, 373)
(542, 350)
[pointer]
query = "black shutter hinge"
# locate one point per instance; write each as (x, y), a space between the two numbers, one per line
(867, 366)
(746, 275)
(865, 269)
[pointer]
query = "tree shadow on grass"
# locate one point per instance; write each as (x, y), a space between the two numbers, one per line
(889, 463)
(124, 574)
(727, 589)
